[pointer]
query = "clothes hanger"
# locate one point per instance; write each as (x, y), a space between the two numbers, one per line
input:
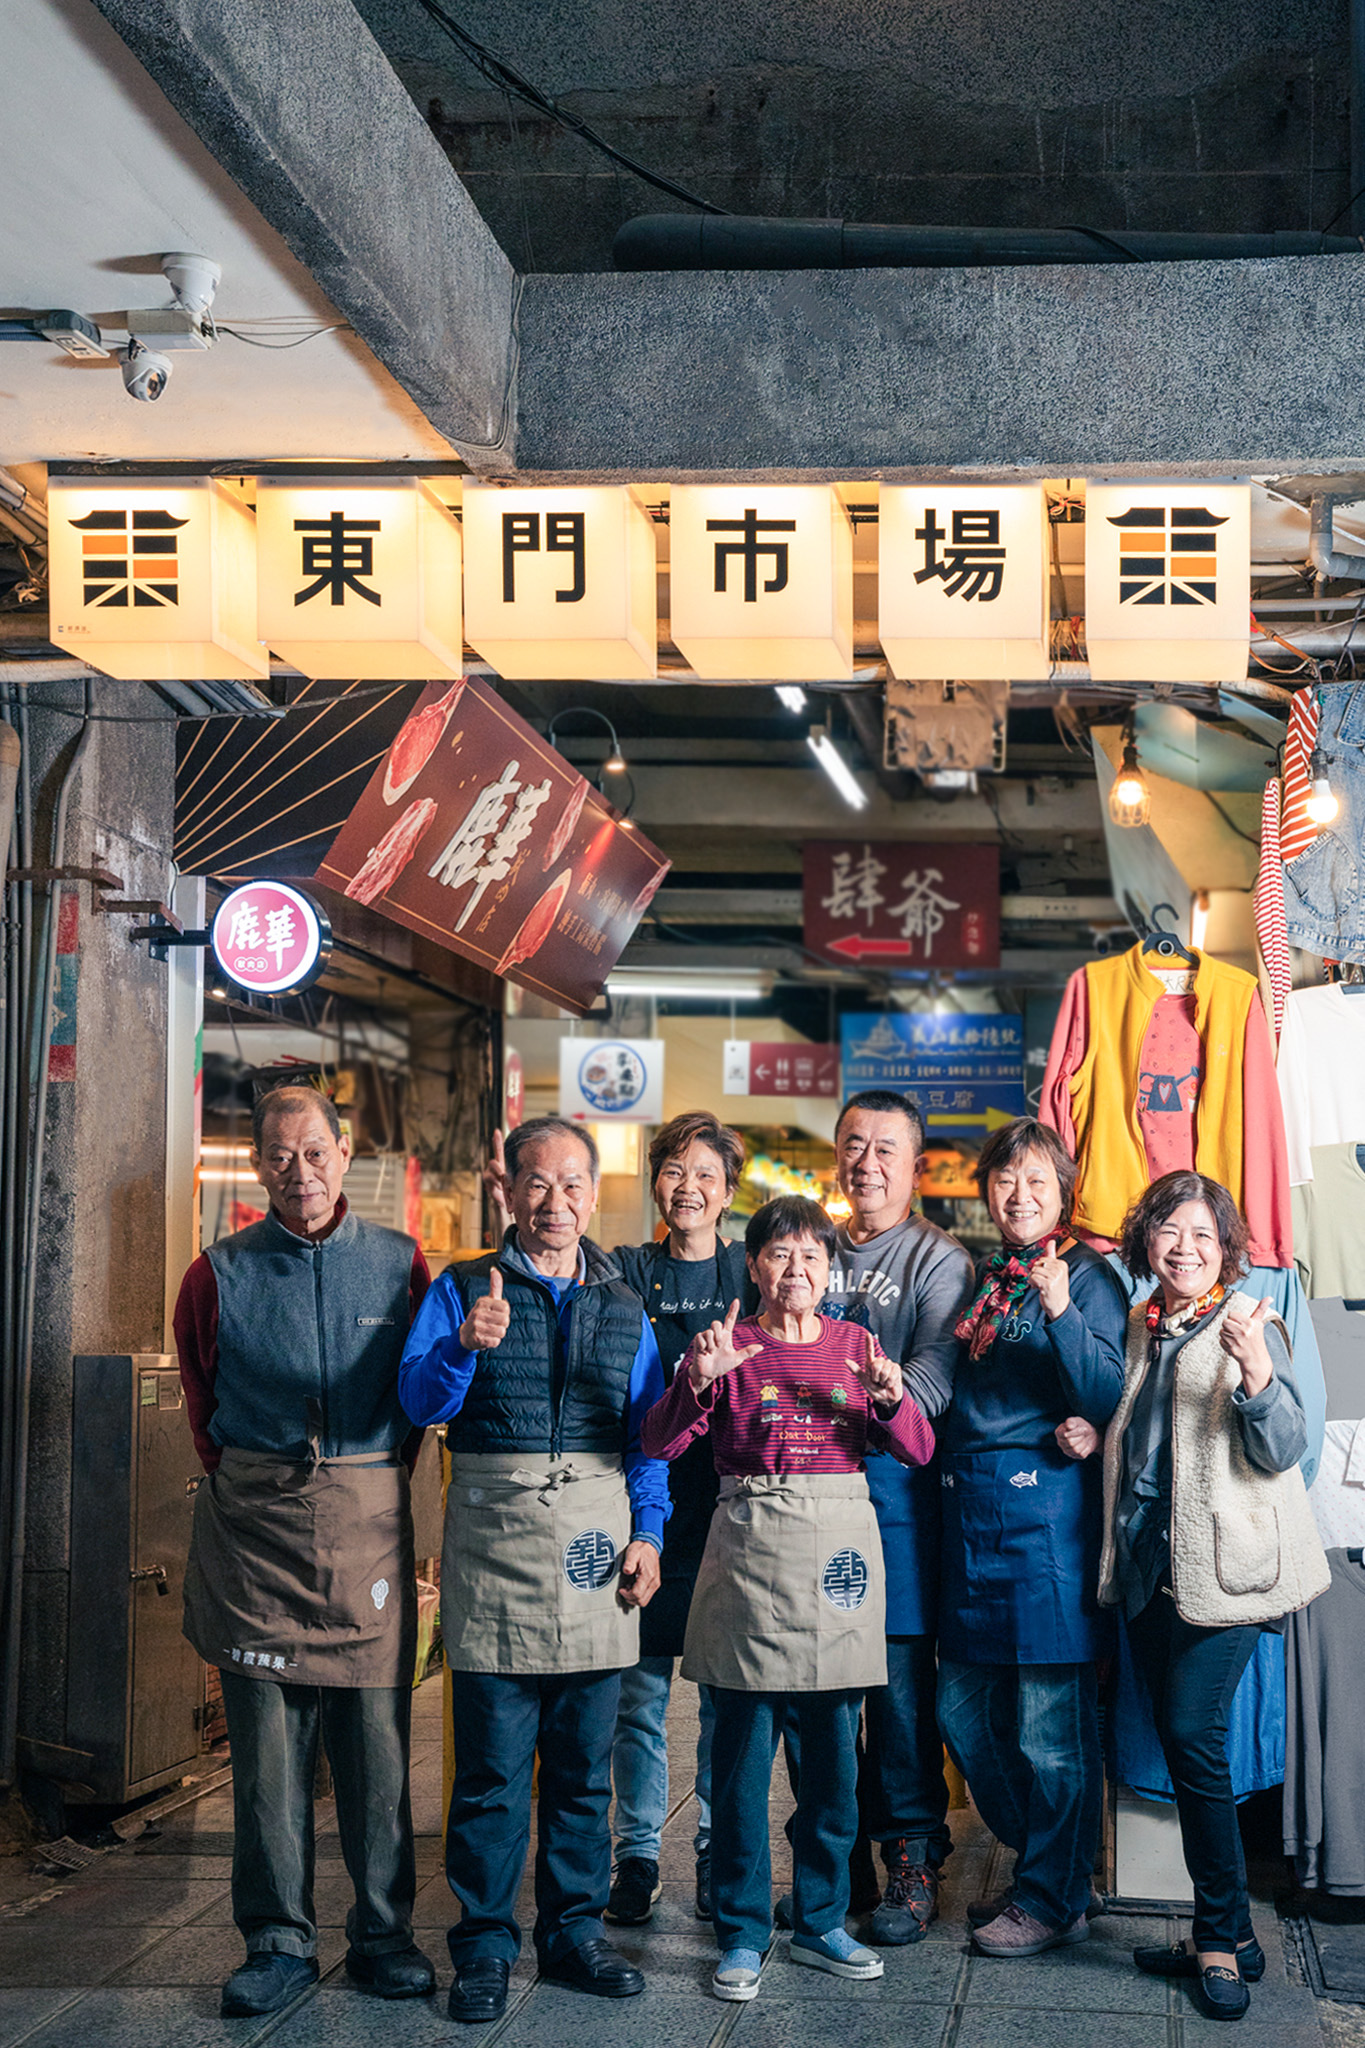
(1156, 939)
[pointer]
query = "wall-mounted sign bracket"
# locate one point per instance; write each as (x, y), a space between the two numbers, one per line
(164, 931)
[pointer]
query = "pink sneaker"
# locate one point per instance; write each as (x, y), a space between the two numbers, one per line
(1014, 1934)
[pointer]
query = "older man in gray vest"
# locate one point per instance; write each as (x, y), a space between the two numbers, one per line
(300, 1584)
(542, 1364)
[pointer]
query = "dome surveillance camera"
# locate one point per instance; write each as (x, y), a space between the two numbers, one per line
(193, 279)
(145, 373)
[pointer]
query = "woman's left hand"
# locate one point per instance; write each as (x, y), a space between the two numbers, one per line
(1243, 1338)
(1052, 1278)
(880, 1376)
(1077, 1438)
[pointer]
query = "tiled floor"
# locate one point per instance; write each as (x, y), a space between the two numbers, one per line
(131, 1954)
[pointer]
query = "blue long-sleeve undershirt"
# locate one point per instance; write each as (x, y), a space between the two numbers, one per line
(436, 1372)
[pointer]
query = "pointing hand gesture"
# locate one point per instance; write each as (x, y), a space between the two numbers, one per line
(713, 1352)
(879, 1375)
(484, 1328)
(495, 1180)
(1051, 1276)
(1243, 1338)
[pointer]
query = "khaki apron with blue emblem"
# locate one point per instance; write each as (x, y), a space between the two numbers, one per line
(531, 1564)
(791, 1595)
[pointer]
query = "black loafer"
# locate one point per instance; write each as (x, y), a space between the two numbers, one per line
(1178, 1961)
(1220, 1993)
(596, 1967)
(266, 1982)
(480, 1989)
(399, 1973)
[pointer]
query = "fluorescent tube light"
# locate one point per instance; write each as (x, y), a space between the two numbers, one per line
(836, 767)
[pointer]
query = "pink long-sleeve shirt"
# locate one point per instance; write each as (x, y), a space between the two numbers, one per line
(791, 1408)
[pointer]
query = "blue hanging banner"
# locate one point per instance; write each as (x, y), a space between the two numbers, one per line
(966, 1072)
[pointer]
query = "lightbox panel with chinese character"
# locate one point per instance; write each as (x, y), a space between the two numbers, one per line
(761, 581)
(1168, 582)
(963, 580)
(561, 583)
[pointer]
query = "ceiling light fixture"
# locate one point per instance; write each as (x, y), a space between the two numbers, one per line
(836, 767)
(1321, 806)
(1130, 800)
(792, 695)
(686, 988)
(615, 762)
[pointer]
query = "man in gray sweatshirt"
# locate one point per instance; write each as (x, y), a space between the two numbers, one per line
(908, 1282)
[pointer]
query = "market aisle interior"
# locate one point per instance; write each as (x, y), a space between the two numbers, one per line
(133, 1952)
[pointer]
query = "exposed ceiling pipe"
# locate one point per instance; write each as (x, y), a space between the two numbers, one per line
(1322, 505)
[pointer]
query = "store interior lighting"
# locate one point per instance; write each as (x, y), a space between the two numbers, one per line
(1130, 800)
(792, 695)
(1199, 919)
(739, 986)
(836, 767)
(615, 762)
(1321, 806)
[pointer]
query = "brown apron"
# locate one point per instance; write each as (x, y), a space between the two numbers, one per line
(532, 1561)
(304, 1573)
(791, 1595)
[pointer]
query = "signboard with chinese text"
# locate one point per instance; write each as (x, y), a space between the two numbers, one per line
(611, 1080)
(965, 1072)
(963, 580)
(155, 580)
(756, 1067)
(561, 582)
(474, 832)
(761, 580)
(270, 939)
(1168, 582)
(890, 904)
(360, 577)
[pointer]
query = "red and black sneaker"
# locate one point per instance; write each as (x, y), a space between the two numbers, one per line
(909, 1901)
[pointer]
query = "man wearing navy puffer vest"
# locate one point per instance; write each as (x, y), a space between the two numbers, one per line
(300, 1584)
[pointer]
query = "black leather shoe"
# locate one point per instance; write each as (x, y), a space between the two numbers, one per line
(399, 1973)
(1178, 1961)
(480, 1989)
(1220, 1993)
(596, 1967)
(266, 1982)
(702, 1908)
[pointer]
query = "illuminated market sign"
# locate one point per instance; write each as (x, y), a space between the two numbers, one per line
(761, 580)
(360, 578)
(561, 582)
(963, 581)
(270, 939)
(155, 580)
(1168, 582)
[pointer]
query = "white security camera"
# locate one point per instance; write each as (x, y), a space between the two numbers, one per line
(146, 373)
(193, 280)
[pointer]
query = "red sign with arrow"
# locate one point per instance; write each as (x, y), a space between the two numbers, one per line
(888, 903)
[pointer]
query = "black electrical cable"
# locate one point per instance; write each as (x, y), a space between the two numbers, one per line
(507, 79)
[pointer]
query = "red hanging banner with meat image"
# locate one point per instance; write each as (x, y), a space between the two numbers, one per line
(474, 832)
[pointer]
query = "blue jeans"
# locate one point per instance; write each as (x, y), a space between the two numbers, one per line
(1324, 897)
(1026, 1738)
(748, 1728)
(1192, 1674)
(639, 1761)
(901, 1786)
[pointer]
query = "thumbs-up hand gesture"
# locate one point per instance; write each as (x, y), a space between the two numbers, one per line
(1243, 1338)
(495, 1180)
(713, 1352)
(484, 1328)
(1051, 1276)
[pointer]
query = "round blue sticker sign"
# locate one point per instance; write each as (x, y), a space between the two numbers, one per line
(844, 1579)
(589, 1560)
(611, 1077)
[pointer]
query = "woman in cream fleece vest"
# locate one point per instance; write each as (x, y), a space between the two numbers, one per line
(1208, 1536)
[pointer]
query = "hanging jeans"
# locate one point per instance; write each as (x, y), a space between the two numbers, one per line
(1324, 886)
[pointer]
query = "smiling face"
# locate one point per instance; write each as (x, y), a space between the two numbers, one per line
(300, 1165)
(553, 1195)
(1025, 1200)
(879, 1164)
(690, 1188)
(1185, 1254)
(791, 1275)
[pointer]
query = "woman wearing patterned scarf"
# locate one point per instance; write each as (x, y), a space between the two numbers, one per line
(1208, 1537)
(1039, 1375)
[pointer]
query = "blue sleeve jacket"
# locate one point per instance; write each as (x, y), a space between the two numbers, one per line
(436, 1371)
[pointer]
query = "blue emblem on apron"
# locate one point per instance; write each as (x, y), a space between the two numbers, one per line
(589, 1560)
(844, 1579)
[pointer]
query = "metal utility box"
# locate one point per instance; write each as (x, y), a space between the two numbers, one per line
(135, 1688)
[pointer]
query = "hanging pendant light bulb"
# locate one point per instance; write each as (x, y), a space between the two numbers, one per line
(1321, 806)
(1130, 800)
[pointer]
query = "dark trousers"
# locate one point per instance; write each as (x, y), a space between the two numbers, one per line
(902, 1791)
(499, 1724)
(743, 1745)
(274, 1733)
(1192, 1674)
(1026, 1738)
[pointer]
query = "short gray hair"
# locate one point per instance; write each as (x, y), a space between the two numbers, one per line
(291, 1098)
(517, 1141)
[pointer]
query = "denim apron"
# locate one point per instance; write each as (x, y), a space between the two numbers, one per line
(1324, 886)
(1021, 1545)
(791, 1595)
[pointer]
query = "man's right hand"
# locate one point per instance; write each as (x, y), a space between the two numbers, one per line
(713, 1352)
(484, 1328)
(495, 1181)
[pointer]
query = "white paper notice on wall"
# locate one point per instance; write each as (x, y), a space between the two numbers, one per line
(611, 1080)
(963, 580)
(1168, 581)
(761, 581)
